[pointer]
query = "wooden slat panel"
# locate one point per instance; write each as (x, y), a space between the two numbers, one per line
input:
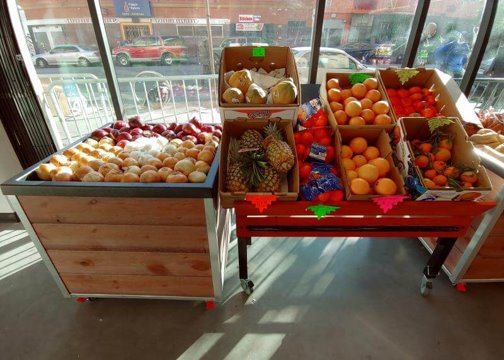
(123, 237)
(485, 268)
(130, 263)
(493, 247)
(100, 210)
(138, 285)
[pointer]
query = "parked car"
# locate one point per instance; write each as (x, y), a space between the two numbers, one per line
(359, 50)
(329, 59)
(67, 55)
(164, 49)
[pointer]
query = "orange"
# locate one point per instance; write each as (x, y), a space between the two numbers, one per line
(353, 108)
(358, 145)
(357, 120)
(446, 143)
(469, 177)
(452, 172)
(334, 95)
(346, 152)
(442, 154)
(359, 186)
(371, 153)
(382, 119)
(333, 84)
(382, 165)
(439, 165)
(385, 186)
(359, 90)
(430, 174)
(368, 115)
(335, 106)
(381, 107)
(422, 161)
(440, 180)
(429, 184)
(341, 117)
(351, 174)
(348, 164)
(348, 99)
(371, 83)
(373, 95)
(366, 104)
(425, 148)
(368, 172)
(467, 184)
(359, 160)
(346, 93)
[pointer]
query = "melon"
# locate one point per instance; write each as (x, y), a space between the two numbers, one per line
(285, 92)
(256, 95)
(241, 79)
(233, 96)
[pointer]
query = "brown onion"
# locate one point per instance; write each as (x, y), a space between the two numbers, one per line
(170, 149)
(106, 140)
(129, 161)
(162, 156)
(133, 169)
(185, 166)
(97, 153)
(116, 150)
(82, 171)
(150, 176)
(197, 177)
(106, 147)
(93, 176)
(74, 165)
(123, 155)
(117, 161)
(106, 168)
(199, 147)
(206, 156)
(164, 172)
(187, 144)
(176, 177)
(70, 152)
(44, 171)
(92, 142)
(202, 166)
(209, 148)
(175, 142)
(113, 176)
(170, 162)
(58, 160)
(77, 156)
(130, 177)
(147, 168)
(179, 156)
(107, 156)
(155, 162)
(192, 153)
(95, 164)
(63, 173)
(85, 160)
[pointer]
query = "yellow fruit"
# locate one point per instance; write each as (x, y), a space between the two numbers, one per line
(368, 172)
(348, 164)
(385, 186)
(371, 83)
(429, 184)
(368, 115)
(382, 165)
(381, 107)
(359, 186)
(357, 120)
(353, 108)
(359, 160)
(371, 153)
(358, 145)
(333, 84)
(341, 117)
(241, 79)
(366, 104)
(256, 95)
(348, 99)
(351, 174)
(382, 119)
(373, 95)
(285, 92)
(346, 152)
(359, 90)
(334, 95)
(335, 106)
(345, 94)
(233, 96)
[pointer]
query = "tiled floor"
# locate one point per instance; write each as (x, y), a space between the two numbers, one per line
(315, 298)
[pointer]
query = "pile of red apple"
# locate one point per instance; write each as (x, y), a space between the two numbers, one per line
(124, 132)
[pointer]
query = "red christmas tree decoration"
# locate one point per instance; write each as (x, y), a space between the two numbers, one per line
(261, 202)
(388, 202)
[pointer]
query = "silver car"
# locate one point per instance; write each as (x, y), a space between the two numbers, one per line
(67, 55)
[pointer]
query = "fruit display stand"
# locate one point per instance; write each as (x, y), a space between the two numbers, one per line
(137, 240)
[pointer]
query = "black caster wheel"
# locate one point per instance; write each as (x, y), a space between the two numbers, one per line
(425, 286)
(247, 286)
(91, 299)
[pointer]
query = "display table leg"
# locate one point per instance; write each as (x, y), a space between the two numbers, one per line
(436, 261)
(245, 283)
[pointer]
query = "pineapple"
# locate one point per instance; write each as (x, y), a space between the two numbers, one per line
(278, 152)
(251, 139)
(236, 181)
(270, 180)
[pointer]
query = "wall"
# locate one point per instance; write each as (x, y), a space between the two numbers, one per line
(9, 166)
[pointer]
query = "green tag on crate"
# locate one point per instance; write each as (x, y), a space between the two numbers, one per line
(436, 123)
(405, 74)
(357, 78)
(259, 51)
(322, 210)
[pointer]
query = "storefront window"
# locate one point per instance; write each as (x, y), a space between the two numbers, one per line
(447, 39)
(368, 33)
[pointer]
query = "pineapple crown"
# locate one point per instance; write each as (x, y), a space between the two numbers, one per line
(271, 129)
(253, 166)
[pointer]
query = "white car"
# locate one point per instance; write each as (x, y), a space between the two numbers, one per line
(67, 55)
(329, 59)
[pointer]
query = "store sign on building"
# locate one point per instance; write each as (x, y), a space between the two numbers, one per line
(245, 18)
(249, 26)
(132, 8)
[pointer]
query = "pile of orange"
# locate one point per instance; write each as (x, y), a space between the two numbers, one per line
(366, 170)
(362, 104)
(434, 161)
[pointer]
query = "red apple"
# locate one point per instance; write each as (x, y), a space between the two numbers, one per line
(147, 133)
(218, 133)
(169, 134)
(135, 122)
(204, 137)
(114, 133)
(191, 129)
(181, 134)
(172, 126)
(98, 134)
(207, 128)
(156, 135)
(122, 143)
(125, 128)
(218, 127)
(159, 128)
(124, 136)
(136, 137)
(136, 131)
(179, 127)
(196, 123)
(190, 137)
(147, 127)
(107, 130)
(119, 124)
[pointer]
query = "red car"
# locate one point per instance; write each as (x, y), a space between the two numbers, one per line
(165, 49)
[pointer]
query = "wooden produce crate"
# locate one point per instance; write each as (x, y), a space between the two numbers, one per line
(127, 239)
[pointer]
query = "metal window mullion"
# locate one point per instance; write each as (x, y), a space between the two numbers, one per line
(478, 51)
(416, 32)
(316, 40)
(106, 56)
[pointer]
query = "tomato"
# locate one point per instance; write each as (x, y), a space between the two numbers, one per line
(297, 137)
(409, 110)
(431, 100)
(325, 141)
(406, 101)
(300, 150)
(336, 195)
(321, 121)
(426, 91)
(324, 197)
(394, 100)
(403, 93)
(305, 170)
(415, 89)
(307, 152)
(330, 155)
(419, 105)
(320, 133)
(392, 92)
(428, 113)
(416, 96)
(307, 138)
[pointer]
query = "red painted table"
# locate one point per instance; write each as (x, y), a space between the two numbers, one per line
(445, 220)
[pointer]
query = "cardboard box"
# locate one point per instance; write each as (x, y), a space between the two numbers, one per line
(345, 84)
(235, 128)
(462, 153)
(375, 137)
(238, 58)
(451, 101)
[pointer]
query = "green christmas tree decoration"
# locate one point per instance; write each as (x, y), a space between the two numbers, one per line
(436, 123)
(358, 78)
(405, 74)
(322, 210)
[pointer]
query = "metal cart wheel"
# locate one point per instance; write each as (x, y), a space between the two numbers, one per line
(247, 286)
(425, 286)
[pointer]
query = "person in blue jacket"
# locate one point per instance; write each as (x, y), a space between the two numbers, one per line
(452, 56)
